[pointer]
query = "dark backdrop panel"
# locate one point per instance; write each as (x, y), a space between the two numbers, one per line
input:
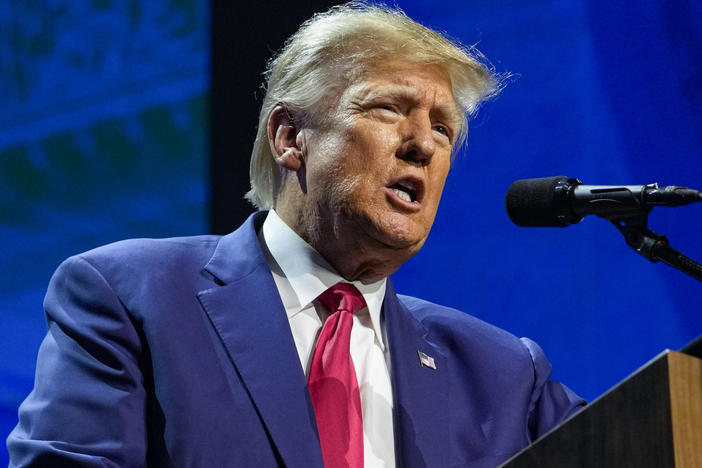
(242, 44)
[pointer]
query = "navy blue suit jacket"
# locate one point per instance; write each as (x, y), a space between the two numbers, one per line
(178, 352)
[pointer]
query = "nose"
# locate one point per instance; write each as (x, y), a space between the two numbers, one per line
(417, 138)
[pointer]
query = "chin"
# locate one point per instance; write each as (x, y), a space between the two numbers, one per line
(400, 234)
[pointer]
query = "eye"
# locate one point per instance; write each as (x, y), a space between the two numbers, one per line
(443, 129)
(386, 107)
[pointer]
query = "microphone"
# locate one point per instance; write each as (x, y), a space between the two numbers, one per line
(560, 201)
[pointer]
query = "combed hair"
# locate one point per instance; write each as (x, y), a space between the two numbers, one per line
(332, 49)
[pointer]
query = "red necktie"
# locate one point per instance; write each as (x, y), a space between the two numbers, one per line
(332, 381)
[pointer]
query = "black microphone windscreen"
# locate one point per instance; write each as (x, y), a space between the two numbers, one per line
(531, 202)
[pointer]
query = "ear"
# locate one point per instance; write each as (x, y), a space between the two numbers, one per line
(282, 136)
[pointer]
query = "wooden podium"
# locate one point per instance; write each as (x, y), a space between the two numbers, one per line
(653, 419)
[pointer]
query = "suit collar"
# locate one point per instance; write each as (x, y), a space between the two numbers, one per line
(420, 392)
(238, 253)
(249, 318)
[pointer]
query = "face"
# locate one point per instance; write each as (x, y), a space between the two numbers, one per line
(375, 170)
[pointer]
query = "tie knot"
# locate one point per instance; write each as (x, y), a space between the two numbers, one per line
(343, 296)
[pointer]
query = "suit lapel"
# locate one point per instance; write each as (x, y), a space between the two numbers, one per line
(250, 320)
(420, 392)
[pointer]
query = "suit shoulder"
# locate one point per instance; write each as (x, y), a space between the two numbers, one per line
(155, 250)
(143, 273)
(445, 320)
(146, 260)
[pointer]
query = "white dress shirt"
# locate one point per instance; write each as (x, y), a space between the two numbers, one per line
(301, 275)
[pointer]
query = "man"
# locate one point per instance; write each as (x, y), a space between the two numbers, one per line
(244, 350)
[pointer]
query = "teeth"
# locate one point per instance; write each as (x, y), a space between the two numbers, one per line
(402, 194)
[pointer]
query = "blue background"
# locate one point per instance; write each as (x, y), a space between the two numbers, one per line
(606, 93)
(103, 135)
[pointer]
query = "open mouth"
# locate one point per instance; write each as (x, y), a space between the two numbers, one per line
(408, 190)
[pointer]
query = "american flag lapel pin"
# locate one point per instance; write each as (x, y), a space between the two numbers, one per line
(426, 360)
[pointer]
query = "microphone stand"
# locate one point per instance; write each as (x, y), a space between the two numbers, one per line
(652, 245)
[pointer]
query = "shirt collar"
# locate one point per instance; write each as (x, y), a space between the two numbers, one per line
(308, 274)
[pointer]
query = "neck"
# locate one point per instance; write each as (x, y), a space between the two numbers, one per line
(357, 264)
(353, 254)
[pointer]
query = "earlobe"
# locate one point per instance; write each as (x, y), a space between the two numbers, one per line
(282, 137)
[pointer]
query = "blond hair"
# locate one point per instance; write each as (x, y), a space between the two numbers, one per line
(331, 49)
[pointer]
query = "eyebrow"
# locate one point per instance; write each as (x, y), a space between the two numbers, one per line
(450, 111)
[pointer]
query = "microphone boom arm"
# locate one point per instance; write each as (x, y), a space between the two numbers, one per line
(652, 245)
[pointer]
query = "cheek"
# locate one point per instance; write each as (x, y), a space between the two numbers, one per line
(350, 163)
(441, 185)
(332, 177)
(360, 160)
(324, 162)
(438, 182)
(374, 141)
